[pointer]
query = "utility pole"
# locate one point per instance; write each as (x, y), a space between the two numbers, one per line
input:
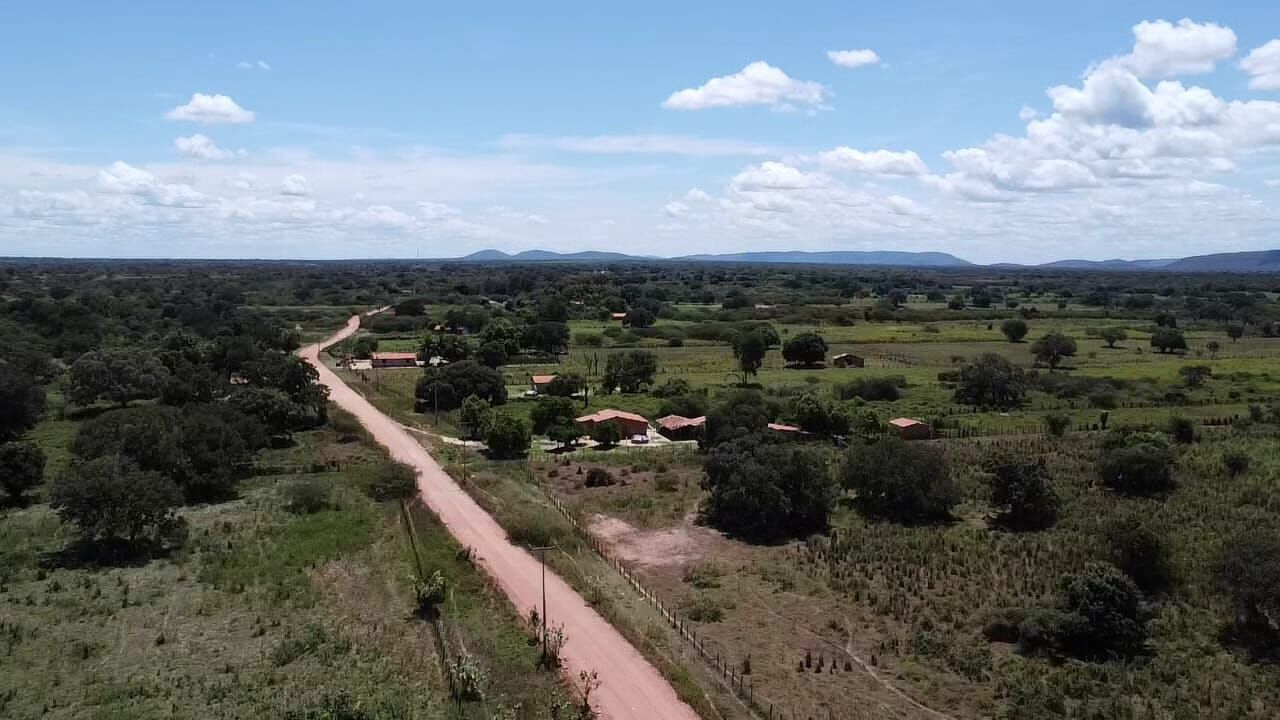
(542, 556)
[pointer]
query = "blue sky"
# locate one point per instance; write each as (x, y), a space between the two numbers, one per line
(996, 131)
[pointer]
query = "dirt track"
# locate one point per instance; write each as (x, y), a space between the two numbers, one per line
(631, 688)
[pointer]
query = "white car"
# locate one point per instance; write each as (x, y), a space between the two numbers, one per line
(639, 439)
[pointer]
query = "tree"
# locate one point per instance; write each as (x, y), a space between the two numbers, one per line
(956, 302)
(364, 347)
(492, 354)
(991, 381)
(504, 333)
(565, 434)
(740, 412)
(1021, 493)
(273, 409)
(1112, 335)
(820, 416)
(393, 481)
(694, 404)
(629, 372)
(451, 384)
(1053, 348)
(606, 434)
(762, 489)
(566, 385)
(1104, 614)
(806, 349)
(904, 482)
(413, 307)
(475, 416)
(116, 375)
(1235, 331)
(21, 468)
(1014, 329)
(449, 347)
(1193, 376)
(750, 348)
(641, 318)
(110, 499)
(508, 437)
(1213, 346)
(551, 411)
(1167, 339)
(1131, 545)
(1248, 570)
(23, 402)
(1143, 468)
(550, 337)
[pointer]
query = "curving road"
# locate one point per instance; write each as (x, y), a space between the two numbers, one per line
(631, 688)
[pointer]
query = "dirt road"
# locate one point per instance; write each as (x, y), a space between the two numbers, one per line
(631, 688)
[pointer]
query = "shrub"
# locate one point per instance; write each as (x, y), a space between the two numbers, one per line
(1248, 570)
(552, 411)
(1056, 424)
(871, 389)
(475, 416)
(21, 468)
(1235, 462)
(393, 481)
(606, 434)
(1104, 614)
(905, 482)
(1140, 469)
(110, 499)
(1182, 429)
(1134, 548)
(1015, 330)
(1053, 348)
(305, 496)
(599, 477)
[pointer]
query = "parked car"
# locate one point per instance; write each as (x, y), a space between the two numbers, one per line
(639, 439)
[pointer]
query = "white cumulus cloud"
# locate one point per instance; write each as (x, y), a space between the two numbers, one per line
(200, 147)
(876, 162)
(295, 185)
(757, 84)
(853, 58)
(1263, 66)
(1162, 49)
(253, 65)
(210, 110)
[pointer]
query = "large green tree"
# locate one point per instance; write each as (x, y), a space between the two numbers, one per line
(118, 375)
(806, 349)
(900, 481)
(21, 400)
(991, 381)
(762, 489)
(110, 500)
(629, 372)
(21, 468)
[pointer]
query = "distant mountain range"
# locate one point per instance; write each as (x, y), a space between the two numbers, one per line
(1258, 261)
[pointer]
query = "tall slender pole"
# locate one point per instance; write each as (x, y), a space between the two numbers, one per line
(542, 556)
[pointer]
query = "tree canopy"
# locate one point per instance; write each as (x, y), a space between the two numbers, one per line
(764, 490)
(900, 481)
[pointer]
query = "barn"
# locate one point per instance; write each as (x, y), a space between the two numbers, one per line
(394, 359)
(911, 429)
(848, 360)
(678, 427)
(628, 424)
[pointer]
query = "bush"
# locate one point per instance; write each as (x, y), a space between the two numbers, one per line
(871, 389)
(1015, 330)
(1056, 424)
(1053, 348)
(1104, 614)
(450, 384)
(1140, 469)
(690, 405)
(305, 496)
(904, 482)
(1182, 429)
(1134, 548)
(23, 401)
(599, 477)
(21, 468)
(1235, 462)
(393, 481)
(606, 434)
(1248, 570)
(475, 416)
(552, 411)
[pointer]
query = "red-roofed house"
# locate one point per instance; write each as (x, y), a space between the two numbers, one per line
(910, 429)
(628, 424)
(620, 317)
(678, 427)
(394, 359)
(540, 382)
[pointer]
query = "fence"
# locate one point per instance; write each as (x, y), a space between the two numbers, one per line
(740, 683)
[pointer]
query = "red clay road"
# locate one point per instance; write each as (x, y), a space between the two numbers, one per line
(631, 688)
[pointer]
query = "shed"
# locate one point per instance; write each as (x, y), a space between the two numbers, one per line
(847, 360)
(620, 317)
(911, 429)
(394, 359)
(788, 430)
(540, 382)
(628, 424)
